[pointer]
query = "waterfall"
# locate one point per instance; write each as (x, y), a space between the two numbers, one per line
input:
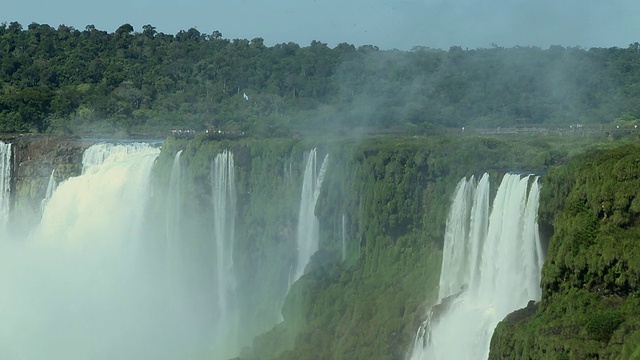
(113, 191)
(173, 209)
(308, 225)
(456, 250)
(466, 230)
(491, 267)
(101, 153)
(51, 185)
(5, 186)
(224, 214)
(84, 284)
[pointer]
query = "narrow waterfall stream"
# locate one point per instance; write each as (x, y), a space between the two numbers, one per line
(308, 226)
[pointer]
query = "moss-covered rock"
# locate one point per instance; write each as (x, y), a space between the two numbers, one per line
(590, 277)
(382, 212)
(389, 197)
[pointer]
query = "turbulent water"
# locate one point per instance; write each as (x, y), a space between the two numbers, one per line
(120, 266)
(102, 153)
(85, 285)
(5, 186)
(308, 225)
(491, 267)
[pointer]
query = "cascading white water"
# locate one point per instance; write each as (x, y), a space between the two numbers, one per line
(173, 211)
(479, 224)
(113, 191)
(456, 250)
(5, 186)
(51, 185)
(466, 230)
(224, 214)
(308, 226)
(491, 267)
(100, 153)
(83, 286)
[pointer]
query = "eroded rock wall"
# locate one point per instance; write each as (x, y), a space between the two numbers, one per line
(34, 159)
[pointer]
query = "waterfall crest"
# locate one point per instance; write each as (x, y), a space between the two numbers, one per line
(308, 225)
(491, 267)
(115, 188)
(101, 153)
(5, 186)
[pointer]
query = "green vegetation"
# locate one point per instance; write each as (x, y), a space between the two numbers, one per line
(393, 194)
(67, 80)
(590, 277)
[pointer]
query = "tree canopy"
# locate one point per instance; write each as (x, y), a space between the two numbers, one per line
(73, 80)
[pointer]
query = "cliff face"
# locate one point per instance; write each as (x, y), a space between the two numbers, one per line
(382, 210)
(591, 277)
(34, 159)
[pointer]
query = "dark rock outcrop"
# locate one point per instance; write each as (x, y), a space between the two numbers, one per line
(34, 159)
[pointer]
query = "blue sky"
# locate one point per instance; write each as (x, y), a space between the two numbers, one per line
(388, 24)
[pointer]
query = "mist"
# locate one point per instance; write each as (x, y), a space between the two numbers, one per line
(433, 91)
(89, 281)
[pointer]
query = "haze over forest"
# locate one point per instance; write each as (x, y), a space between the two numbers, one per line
(82, 80)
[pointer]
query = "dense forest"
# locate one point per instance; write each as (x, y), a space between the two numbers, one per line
(67, 80)
(590, 292)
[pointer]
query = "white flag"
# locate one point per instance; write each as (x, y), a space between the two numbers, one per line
(245, 96)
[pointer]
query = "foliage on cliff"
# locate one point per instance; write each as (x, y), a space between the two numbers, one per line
(387, 197)
(590, 283)
(83, 80)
